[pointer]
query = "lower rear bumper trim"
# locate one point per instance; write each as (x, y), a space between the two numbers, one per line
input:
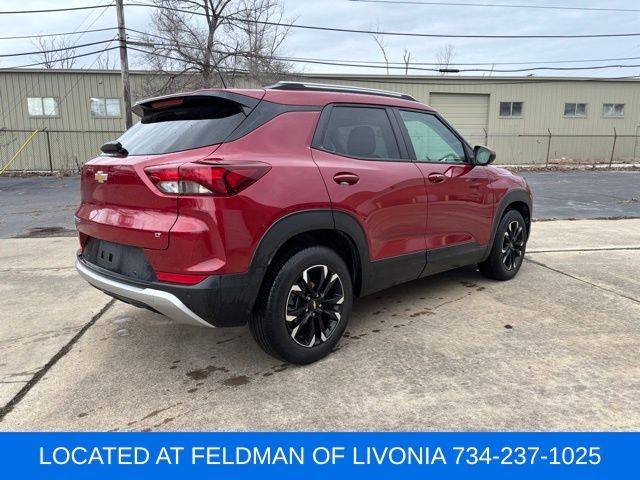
(162, 302)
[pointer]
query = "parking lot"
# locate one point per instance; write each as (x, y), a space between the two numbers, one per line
(557, 348)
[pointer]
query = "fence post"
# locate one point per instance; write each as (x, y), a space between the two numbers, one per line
(548, 148)
(46, 132)
(613, 149)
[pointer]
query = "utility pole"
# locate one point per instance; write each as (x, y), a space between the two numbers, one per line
(124, 63)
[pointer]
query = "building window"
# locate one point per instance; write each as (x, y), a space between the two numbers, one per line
(575, 109)
(510, 109)
(43, 106)
(104, 107)
(613, 110)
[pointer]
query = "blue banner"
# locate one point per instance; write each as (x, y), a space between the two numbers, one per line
(285, 456)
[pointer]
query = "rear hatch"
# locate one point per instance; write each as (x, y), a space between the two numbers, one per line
(120, 203)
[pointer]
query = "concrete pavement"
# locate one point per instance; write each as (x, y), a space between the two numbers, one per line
(43, 304)
(556, 348)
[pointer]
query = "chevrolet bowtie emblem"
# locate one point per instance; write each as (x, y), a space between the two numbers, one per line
(101, 177)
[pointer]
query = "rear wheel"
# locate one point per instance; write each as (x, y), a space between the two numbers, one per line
(304, 307)
(507, 251)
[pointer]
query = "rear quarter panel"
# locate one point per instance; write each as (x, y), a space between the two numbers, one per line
(217, 235)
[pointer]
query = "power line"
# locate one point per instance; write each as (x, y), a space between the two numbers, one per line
(110, 3)
(380, 62)
(181, 60)
(39, 78)
(35, 64)
(425, 81)
(61, 34)
(376, 32)
(357, 63)
(344, 63)
(37, 52)
(404, 2)
(454, 64)
(533, 69)
(51, 10)
(428, 81)
(370, 32)
(500, 5)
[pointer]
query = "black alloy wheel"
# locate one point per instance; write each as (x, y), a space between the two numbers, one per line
(513, 245)
(314, 306)
(304, 305)
(508, 247)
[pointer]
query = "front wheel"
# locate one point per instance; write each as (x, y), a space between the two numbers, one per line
(507, 251)
(304, 307)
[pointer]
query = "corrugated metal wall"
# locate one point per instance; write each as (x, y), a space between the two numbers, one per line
(525, 140)
(74, 136)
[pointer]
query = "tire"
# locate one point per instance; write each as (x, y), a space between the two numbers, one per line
(508, 249)
(291, 321)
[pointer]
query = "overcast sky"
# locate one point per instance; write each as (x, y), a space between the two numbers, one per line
(385, 17)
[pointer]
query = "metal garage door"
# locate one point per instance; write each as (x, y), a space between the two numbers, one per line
(469, 113)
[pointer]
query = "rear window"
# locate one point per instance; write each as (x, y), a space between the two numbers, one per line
(195, 122)
(360, 132)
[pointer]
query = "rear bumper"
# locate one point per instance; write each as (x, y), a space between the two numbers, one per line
(217, 301)
(158, 300)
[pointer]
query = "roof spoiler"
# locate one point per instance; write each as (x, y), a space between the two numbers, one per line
(166, 101)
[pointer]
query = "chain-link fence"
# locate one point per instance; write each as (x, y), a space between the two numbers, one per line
(51, 150)
(563, 149)
(68, 150)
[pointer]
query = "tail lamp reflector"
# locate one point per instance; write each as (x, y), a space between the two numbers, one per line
(206, 179)
(184, 279)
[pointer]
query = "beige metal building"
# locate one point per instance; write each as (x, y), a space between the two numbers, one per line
(526, 119)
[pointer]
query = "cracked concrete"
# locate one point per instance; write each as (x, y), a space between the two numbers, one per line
(40, 309)
(556, 348)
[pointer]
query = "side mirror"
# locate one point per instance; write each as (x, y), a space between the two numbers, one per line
(114, 147)
(483, 155)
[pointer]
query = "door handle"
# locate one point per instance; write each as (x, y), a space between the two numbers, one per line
(436, 177)
(346, 178)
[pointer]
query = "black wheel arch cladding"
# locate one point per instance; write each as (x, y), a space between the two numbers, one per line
(509, 200)
(238, 293)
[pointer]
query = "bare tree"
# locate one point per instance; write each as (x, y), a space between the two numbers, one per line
(104, 61)
(445, 57)
(379, 39)
(209, 43)
(406, 57)
(263, 29)
(55, 52)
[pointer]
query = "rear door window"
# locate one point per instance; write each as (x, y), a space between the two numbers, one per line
(360, 132)
(192, 123)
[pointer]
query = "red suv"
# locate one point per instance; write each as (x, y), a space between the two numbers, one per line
(278, 206)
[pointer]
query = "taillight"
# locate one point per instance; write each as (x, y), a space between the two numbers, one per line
(206, 178)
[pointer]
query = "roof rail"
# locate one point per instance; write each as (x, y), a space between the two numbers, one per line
(337, 88)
